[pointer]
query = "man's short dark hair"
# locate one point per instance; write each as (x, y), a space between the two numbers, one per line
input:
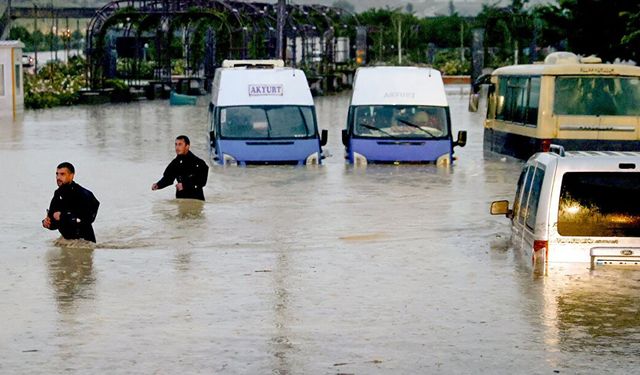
(184, 138)
(67, 165)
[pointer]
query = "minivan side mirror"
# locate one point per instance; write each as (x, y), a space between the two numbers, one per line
(501, 208)
(212, 138)
(345, 137)
(462, 139)
(324, 137)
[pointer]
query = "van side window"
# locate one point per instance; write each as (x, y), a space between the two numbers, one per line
(522, 212)
(534, 198)
(516, 201)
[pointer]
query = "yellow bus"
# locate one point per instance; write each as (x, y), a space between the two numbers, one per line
(578, 103)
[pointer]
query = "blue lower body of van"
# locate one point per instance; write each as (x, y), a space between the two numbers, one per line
(380, 150)
(277, 152)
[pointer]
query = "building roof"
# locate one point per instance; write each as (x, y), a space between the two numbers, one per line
(11, 44)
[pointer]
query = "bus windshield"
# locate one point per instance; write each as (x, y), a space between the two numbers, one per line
(599, 204)
(597, 96)
(388, 121)
(267, 122)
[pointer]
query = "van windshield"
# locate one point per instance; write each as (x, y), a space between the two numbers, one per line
(602, 204)
(267, 122)
(597, 96)
(388, 121)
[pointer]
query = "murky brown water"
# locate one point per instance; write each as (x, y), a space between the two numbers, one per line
(284, 270)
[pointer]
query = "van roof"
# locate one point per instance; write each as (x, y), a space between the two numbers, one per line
(247, 86)
(591, 160)
(396, 85)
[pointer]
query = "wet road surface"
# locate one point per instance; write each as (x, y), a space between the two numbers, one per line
(321, 270)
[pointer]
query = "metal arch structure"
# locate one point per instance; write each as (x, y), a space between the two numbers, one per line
(238, 22)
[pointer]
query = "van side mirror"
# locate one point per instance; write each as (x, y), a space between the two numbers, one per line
(501, 208)
(212, 139)
(324, 137)
(345, 137)
(462, 139)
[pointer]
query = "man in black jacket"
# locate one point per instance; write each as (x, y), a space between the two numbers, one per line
(73, 208)
(190, 171)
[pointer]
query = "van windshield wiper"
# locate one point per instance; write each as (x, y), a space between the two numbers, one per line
(371, 127)
(411, 124)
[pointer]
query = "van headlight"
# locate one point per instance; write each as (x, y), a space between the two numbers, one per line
(228, 160)
(313, 159)
(444, 160)
(359, 159)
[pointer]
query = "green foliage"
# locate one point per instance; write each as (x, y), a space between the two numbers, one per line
(55, 84)
(608, 29)
(178, 67)
(508, 29)
(128, 67)
(22, 34)
(449, 62)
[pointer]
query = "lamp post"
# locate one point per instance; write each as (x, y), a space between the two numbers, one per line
(35, 42)
(280, 37)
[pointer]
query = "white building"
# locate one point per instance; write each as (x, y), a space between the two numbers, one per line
(11, 79)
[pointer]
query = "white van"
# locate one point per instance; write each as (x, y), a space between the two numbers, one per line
(399, 114)
(581, 206)
(263, 113)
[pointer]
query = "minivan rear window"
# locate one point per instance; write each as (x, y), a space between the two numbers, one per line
(601, 204)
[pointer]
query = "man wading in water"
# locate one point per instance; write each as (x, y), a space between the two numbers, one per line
(190, 171)
(73, 208)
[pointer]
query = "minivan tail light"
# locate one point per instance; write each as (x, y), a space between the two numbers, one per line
(540, 245)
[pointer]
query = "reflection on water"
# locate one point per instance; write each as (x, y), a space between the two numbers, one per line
(71, 273)
(383, 269)
(190, 208)
(598, 310)
(280, 343)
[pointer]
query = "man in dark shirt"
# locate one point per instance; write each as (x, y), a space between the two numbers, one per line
(73, 208)
(188, 170)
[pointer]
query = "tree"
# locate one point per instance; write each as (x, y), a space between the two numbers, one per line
(22, 34)
(595, 27)
(631, 39)
(509, 29)
(409, 8)
(344, 5)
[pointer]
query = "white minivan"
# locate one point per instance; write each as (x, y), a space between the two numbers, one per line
(262, 112)
(581, 206)
(399, 114)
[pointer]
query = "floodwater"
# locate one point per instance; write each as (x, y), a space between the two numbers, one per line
(321, 270)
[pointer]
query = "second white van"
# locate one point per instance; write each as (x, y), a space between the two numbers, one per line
(578, 206)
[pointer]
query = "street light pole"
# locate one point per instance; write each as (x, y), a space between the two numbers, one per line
(282, 6)
(35, 42)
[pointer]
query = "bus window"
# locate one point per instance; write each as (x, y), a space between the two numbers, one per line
(518, 99)
(534, 100)
(597, 96)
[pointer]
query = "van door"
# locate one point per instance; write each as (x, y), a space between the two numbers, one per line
(530, 233)
(517, 222)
